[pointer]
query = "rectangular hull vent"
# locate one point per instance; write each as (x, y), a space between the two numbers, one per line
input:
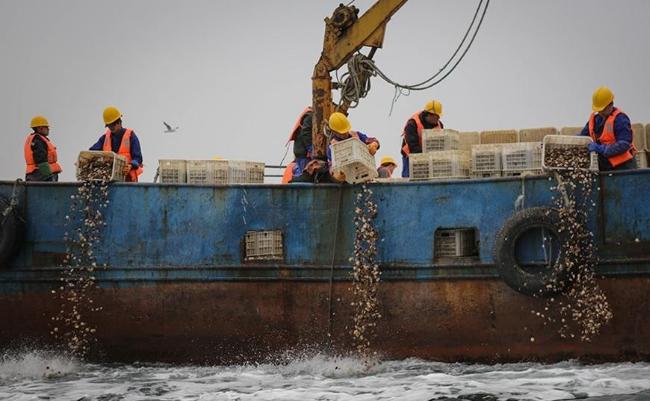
(263, 245)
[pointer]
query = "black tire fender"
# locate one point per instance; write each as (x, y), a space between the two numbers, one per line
(506, 262)
(9, 228)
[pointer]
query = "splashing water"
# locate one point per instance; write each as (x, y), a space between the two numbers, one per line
(84, 224)
(365, 275)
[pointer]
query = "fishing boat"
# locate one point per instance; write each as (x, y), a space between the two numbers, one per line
(231, 273)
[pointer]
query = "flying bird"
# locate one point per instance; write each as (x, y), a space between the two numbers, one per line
(169, 128)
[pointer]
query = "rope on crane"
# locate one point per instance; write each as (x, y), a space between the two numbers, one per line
(356, 81)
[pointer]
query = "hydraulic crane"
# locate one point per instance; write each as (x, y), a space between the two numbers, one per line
(345, 34)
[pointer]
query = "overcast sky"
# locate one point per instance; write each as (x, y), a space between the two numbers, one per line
(234, 75)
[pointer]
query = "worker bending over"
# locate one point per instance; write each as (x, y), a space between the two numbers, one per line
(611, 132)
(412, 136)
(340, 130)
(122, 141)
(40, 153)
(386, 167)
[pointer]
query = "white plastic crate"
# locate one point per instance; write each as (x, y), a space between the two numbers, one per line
(172, 171)
(264, 245)
(641, 159)
(245, 172)
(446, 164)
(638, 135)
(118, 163)
(520, 157)
(207, 172)
(500, 136)
(467, 139)
(486, 158)
(439, 139)
(351, 156)
(647, 137)
(567, 142)
(535, 134)
(486, 174)
(454, 243)
(571, 131)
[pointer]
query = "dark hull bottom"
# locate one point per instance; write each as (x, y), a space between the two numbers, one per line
(230, 322)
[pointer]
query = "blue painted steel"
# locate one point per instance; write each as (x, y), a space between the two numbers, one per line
(186, 232)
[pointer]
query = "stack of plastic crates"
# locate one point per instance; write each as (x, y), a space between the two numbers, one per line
(571, 131)
(467, 139)
(486, 161)
(439, 139)
(446, 164)
(535, 134)
(640, 144)
(207, 172)
(567, 142)
(521, 158)
(500, 136)
(245, 172)
(351, 157)
(172, 171)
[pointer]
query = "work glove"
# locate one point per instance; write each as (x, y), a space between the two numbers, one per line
(44, 169)
(339, 176)
(595, 147)
(134, 164)
(372, 147)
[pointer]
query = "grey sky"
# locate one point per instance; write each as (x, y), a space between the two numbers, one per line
(235, 74)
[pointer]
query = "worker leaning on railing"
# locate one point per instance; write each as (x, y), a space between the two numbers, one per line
(412, 135)
(341, 129)
(122, 141)
(386, 167)
(40, 153)
(611, 132)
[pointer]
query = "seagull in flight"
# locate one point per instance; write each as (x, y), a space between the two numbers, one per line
(169, 129)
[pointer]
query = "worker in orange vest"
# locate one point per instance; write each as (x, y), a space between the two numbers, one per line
(122, 141)
(412, 134)
(40, 153)
(611, 132)
(301, 136)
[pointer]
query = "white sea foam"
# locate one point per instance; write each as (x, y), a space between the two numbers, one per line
(28, 376)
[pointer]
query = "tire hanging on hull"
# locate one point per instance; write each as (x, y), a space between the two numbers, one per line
(9, 231)
(540, 284)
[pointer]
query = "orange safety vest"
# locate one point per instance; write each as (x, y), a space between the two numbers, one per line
(288, 173)
(124, 150)
(418, 123)
(51, 155)
(608, 137)
(296, 127)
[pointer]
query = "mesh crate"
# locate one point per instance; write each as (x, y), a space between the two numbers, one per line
(351, 156)
(264, 245)
(486, 158)
(118, 163)
(571, 131)
(454, 243)
(172, 171)
(535, 134)
(245, 172)
(567, 142)
(638, 133)
(439, 139)
(467, 139)
(522, 173)
(501, 136)
(647, 137)
(520, 157)
(486, 174)
(446, 164)
(641, 159)
(207, 172)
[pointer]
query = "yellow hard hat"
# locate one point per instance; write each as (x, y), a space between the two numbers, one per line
(111, 114)
(601, 98)
(39, 121)
(339, 123)
(387, 160)
(434, 107)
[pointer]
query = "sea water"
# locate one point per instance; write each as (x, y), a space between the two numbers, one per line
(37, 375)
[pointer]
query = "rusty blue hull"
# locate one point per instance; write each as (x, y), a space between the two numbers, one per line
(178, 286)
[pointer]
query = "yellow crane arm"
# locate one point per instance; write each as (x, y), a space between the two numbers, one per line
(345, 34)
